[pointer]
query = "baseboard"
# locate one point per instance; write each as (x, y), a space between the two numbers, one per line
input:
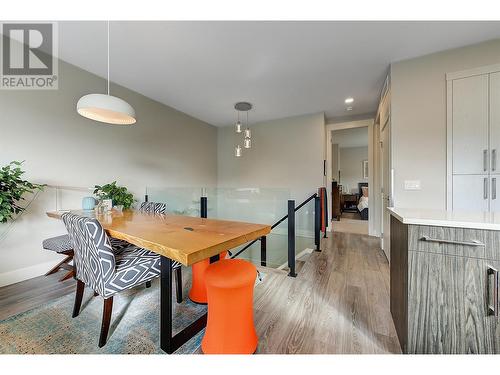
(26, 273)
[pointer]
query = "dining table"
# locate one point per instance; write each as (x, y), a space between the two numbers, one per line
(185, 239)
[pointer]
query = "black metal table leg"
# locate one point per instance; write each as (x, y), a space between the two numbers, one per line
(169, 343)
(166, 305)
(263, 251)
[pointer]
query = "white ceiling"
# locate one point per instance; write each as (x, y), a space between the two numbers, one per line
(283, 68)
(355, 137)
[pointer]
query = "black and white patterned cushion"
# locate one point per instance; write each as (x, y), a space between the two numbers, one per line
(153, 208)
(118, 244)
(59, 244)
(97, 264)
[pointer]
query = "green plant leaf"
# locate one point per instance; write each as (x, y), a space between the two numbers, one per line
(12, 189)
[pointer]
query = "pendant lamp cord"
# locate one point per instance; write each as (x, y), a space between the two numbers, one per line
(108, 57)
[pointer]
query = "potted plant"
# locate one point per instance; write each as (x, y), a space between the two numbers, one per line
(12, 189)
(119, 195)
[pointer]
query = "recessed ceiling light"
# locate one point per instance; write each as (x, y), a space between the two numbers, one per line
(348, 100)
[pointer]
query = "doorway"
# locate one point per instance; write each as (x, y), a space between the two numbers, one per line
(349, 163)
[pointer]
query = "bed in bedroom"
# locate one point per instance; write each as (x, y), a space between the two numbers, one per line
(363, 200)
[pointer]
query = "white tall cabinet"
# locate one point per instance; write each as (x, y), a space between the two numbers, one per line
(495, 140)
(474, 140)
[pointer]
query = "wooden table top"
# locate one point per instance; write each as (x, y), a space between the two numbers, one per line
(182, 238)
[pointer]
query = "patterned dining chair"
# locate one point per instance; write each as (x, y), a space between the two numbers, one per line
(157, 209)
(104, 269)
(153, 208)
(61, 245)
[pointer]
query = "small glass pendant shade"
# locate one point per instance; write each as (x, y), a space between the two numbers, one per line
(237, 151)
(237, 127)
(248, 134)
(247, 143)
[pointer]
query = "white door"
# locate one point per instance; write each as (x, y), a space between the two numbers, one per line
(494, 121)
(471, 192)
(470, 125)
(386, 188)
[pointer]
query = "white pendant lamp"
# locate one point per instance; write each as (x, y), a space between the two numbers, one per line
(106, 108)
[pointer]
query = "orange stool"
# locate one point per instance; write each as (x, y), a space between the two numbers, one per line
(198, 292)
(230, 328)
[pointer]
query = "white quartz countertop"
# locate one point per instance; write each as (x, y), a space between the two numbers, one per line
(441, 218)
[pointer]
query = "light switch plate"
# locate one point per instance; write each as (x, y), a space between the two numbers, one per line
(412, 184)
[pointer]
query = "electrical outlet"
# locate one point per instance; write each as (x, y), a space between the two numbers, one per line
(412, 185)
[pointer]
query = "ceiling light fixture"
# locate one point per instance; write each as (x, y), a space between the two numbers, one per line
(106, 108)
(348, 100)
(247, 141)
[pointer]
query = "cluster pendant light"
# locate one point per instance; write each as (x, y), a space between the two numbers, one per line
(247, 139)
(106, 108)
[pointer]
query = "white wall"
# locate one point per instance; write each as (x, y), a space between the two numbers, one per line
(285, 153)
(335, 161)
(165, 148)
(351, 171)
(418, 120)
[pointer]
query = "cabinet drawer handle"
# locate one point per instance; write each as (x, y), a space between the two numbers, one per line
(492, 282)
(494, 188)
(485, 188)
(485, 160)
(494, 160)
(451, 242)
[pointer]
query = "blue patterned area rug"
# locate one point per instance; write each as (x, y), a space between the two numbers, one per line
(50, 329)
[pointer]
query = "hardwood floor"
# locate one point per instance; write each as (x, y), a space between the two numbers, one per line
(26, 295)
(350, 223)
(338, 303)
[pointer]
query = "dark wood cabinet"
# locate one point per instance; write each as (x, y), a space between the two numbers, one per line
(441, 292)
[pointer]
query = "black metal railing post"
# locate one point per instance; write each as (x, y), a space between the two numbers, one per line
(291, 238)
(263, 251)
(146, 197)
(291, 248)
(317, 222)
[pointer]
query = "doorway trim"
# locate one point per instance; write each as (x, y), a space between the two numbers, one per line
(329, 127)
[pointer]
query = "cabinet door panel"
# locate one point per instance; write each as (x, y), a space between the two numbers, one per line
(477, 335)
(491, 323)
(447, 305)
(470, 125)
(416, 242)
(495, 192)
(435, 304)
(495, 121)
(471, 192)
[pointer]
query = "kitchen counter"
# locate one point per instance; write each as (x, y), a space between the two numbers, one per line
(442, 218)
